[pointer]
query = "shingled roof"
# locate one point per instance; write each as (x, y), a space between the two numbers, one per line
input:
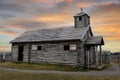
(95, 40)
(55, 34)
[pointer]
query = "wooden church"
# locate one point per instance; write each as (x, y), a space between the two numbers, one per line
(72, 45)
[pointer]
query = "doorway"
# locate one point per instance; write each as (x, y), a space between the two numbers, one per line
(86, 55)
(20, 53)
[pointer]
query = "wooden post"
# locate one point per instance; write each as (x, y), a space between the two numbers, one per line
(100, 55)
(11, 52)
(96, 55)
(29, 53)
(88, 58)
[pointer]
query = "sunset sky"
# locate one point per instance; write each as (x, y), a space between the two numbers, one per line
(18, 16)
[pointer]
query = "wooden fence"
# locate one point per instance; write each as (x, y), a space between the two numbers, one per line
(106, 57)
(115, 57)
(5, 56)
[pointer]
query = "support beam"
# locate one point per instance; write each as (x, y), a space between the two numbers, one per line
(85, 56)
(29, 53)
(88, 61)
(12, 52)
(100, 55)
(96, 55)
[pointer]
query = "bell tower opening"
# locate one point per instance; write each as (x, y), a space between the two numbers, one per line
(81, 19)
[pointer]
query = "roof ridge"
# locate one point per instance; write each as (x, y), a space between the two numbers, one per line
(49, 28)
(55, 28)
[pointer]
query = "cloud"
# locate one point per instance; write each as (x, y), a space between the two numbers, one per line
(105, 20)
(4, 48)
(41, 1)
(9, 32)
(86, 4)
(63, 3)
(17, 16)
(11, 6)
(110, 33)
(54, 18)
(6, 15)
(30, 25)
(100, 9)
(19, 26)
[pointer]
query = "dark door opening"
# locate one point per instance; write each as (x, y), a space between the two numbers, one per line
(85, 59)
(20, 53)
(86, 55)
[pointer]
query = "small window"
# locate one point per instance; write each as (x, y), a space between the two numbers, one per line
(39, 47)
(34, 47)
(73, 47)
(80, 18)
(66, 47)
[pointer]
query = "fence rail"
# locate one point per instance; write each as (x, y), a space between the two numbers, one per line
(5, 56)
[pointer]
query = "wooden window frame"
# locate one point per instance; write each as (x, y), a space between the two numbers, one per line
(73, 47)
(34, 47)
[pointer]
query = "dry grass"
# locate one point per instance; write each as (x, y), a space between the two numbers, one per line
(32, 76)
(10, 75)
(35, 66)
(44, 66)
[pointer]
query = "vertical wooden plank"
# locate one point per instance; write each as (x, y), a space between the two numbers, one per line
(96, 55)
(11, 52)
(29, 52)
(88, 53)
(100, 55)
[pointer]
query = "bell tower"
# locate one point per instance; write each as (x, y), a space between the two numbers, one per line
(81, 20)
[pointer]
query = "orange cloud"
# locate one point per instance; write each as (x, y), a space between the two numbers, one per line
(14, 26)
(85, 4)
(110, 32)
(53, 18)
(107, 23)
(9, 33)
(109, 18)
(5, 48)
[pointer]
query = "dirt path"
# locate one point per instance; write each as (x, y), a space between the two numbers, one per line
(114, 70)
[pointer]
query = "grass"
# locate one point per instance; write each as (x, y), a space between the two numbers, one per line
(43, 66)
(39, 76)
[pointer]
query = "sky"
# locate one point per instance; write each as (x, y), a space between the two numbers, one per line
(18, 16)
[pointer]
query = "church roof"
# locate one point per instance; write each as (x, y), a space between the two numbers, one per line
(55, 34)
(95, 40)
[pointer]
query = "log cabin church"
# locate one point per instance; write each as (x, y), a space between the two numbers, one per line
(72, 45)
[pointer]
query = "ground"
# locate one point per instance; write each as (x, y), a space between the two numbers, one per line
(113, 70)
(111, 73)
